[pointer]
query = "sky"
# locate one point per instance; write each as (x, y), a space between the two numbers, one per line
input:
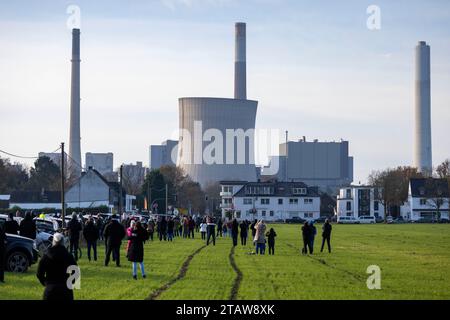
(315, 67)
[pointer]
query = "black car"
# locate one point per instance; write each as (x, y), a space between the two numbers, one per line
(21, 253)
(320, 220)
(295, 220)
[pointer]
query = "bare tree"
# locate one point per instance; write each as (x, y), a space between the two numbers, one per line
(133, 179)
(436, 194)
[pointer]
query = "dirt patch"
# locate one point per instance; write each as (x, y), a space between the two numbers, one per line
(237, 281)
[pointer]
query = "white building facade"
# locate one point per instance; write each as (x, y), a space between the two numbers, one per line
(357, 201)
(270, 201)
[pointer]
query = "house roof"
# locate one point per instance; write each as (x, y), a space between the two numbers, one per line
(279, 189)
(112, 185)
(429, 187)
(232, 182)
(35, 197)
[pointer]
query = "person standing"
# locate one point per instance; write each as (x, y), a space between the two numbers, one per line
(163, 229)
(151, 229)
(170, 227)
(312, 235)
(136, 238)
(235, 232)
(271, 240)
(203, 228)
(326, 235)
(306, 237)
(74, 227)
(244, 232)
(114, 233)
(219, 227)
(52, 270)
(191, 227)
(252, 227)
(27, 227)
(91, 234)
(11, 226)
(2, 253)
(211, 231)
(260, 237)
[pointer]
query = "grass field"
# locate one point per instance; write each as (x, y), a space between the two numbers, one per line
(414, 261)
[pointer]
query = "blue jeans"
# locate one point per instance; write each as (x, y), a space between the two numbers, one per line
(135, 268)
(169, 236)
(261, 248)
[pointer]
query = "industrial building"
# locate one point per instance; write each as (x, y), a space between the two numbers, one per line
(165, 154)
(102, 162)
(422, 137)
(217, 134)
(326, 165)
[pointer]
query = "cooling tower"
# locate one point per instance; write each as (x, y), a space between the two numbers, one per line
(217, 134)
(422, 143)
(75, 138)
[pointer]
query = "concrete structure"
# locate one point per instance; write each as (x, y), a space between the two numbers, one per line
(208, 148)
(323, 164)
(75, 137)
(422, 137)
(357, 201)
(102, 162)
(427, 199)
(270, 201)
(165, 154)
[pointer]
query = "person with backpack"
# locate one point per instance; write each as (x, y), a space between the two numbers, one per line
(91, 233)
(135, 252)
(326, 235)
(271, 240)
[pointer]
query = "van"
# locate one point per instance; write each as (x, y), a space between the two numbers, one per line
(347, 220)
(367, 219)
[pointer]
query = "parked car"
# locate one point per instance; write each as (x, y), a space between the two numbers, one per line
(46, 225)
(389, 219)
(21, 253)
(426, 220)
(320, 219)
(294, 220)
(347, 220)
(379, 220)
(367, 220)
(399, 220)
(444, 220)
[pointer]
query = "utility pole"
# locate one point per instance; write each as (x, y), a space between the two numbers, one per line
(120, 191)
(167, 195)
(63, 205)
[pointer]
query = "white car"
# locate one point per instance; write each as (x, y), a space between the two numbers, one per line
(347, 220)
(367, 220)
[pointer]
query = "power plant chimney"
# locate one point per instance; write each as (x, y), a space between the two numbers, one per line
(240, 68)
(75, 138)
(422, 144)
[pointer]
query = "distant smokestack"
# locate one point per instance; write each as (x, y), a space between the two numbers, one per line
(75, 138)
(422, 145)
(240, 68)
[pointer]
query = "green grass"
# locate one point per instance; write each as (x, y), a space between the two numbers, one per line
(414, 261)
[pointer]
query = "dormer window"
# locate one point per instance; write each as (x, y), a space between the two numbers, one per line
(299, 191)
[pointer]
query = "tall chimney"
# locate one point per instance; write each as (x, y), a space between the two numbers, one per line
(240, 68)
(422, 145)
(75, 138)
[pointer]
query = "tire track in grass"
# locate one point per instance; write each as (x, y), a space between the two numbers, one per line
(237, 281)
(180, 275)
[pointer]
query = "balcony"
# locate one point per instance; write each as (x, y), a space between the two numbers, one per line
(226, 205)
(226, 194)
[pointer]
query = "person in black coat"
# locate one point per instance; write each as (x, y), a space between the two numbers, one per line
(252, 227)
(11, 226)
(219, 227)
(162, 229)
(114, 233)
(2, 253)
(235, 231)
(27, 227)
(91, 233)
(53, 273)
(244, 232)
(306, 231)
(271, 240)
(326, 235)
(136, 248)
(170, 226)
(74, 227)
(210, 231)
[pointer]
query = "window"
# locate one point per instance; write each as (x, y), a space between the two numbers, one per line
(307, 201)
(238, 214)
(265, 201)
(349, 193)
(263, 213)
(271, 213)
(248, 201)
(299, 190)
(375, 206)
(227, 200)
(308, 215)
(349, 205)
(227, 189)
(293, 201)
(423, 202)
(280, 201)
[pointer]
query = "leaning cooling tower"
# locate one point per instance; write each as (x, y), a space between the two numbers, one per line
(217, 134)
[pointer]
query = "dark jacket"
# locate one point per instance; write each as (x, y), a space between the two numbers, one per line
(114, 233)
(170, 226)
(74, 227)
(162, 225)
(244, 229)
(52, 273)
(11, 226)
(28, 228)
(136, 246)
(235, 228)
(90, 232)
(306, 232)
(326, 230)
(271, 237)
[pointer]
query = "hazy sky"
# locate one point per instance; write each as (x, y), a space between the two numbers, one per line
(314, 66)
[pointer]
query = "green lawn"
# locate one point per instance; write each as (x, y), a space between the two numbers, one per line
(414, 261)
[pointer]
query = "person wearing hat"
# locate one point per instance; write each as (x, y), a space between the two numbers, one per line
(52, 270)
(74, 227)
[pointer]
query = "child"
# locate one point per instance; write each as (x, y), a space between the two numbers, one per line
(271, 240)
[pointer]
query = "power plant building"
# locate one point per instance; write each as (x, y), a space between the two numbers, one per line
(217, 134)
(102, 162)
(165, 154)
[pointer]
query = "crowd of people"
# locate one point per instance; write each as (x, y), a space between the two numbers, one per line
(136, 231)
